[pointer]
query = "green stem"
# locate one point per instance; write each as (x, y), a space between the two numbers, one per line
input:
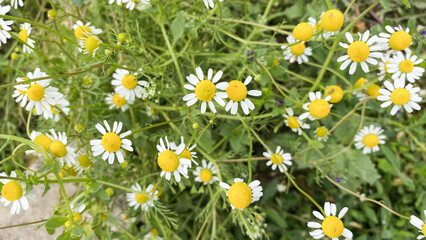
(23, 224)
(157, 125)
(64, 195)
(251, 146)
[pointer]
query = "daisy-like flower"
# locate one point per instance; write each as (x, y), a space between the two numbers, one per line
(318, 29)
(294, 123)
(61, 105)
(360, 52)
(41, 139)
(237, 92)
(384, 66)
(206, 173)
(210, 3)
(405, 67)
(15, 3)
(318, 108)
(4, 25)
(418, 223)
(84, 163)
(145, 199)
(65, 154)
(240, 195)
(397, 39)
(369, 139)
(169, 162)
(336, 93)
(112, 142)
(321, 133)
(303, 31)
(77, 216)
(82, 30)
(331, 225)
(127, 85)
(359, 83)
(37, 94)
(130, 4)
(204, 90)
(13, 192)
(115, 101)
(400, 95)
(332, 20)
(297, 52)
(151, 113)
(89, 44)
(186, 153)
(24, 35)
(278, 159)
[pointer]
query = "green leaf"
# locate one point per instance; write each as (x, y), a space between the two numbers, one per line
(391, 157)
(360, 167)
(55, 222)
(385, 4)
(406, 3)
(76, 232)
(102, 195)
(178, 27)
(64, 236)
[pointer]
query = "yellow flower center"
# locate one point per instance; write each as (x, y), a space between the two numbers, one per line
(298, 49)
(12, 191)
(152, 111)
(373, 90)
(205, 90)
(400, 40)
(358, 51)
(85, 161)
(236, 91)
(303, 31)
(240, 195)
(35, 92)
(51, 14)
(87, 81)
(118, 101)
(111, 142)
(23, 35)
(275, 62)
(332, 20)
(361, 81)
(406, 66)
(335, 92)
(142, 198)
(135, 1)
(58, 149)
(332, 226)
(81, 32)
(168, 161)
(292, 122)
(43, 141)
(186, 154)
(276, 159)
(371, 140)
(319, 108)
(154, 232)
(206, 175)
(129, 81)
(76, 216)
(91, 44)
(321, 132)
(400, 96)
(424, 229)
(73, 172)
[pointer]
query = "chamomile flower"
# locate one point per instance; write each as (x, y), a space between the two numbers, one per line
(83, 163)
(37, 94)
(204, 90)
(44, 140)
(186, 153)
(297, 52)
(206, 173)
(15, 3)
(13, 192)
(169, 162)
(240, 195)
(65, 154)
(145, 199)
(332, 20)
(294, 123)
(130, 4)
(151, 112)
(318, 108)
(321, 133)
(237, 92)
(61, 105)
(77, 216)
(318, 29)
(405, 67)
(82, 30)
(360, 52)
(331, 225)
(24, 35)
(127, 85)
(278, 159)
(336, 93)
(396, 39)
(115, 101)
(4, 25)
(210, 3)
(384, 66)
(418, 223)
(112, 143)
(369, 139)
(89, 44)
(400, 95)
(359, 83)
(303, 31)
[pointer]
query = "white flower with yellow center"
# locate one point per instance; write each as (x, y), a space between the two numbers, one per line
(206, 173)
(210, 3)
(400, 95)
(321, 133)
(418, 223)
(303, 31)
(278, 159)
(83, 163)
(369, 139)
(127, 85)
(297, 52)
(13, 192)
(65, 154)
(115, 101)
(44, 140)
(237, 92)
(204, 90)
(240, 195)
(89, 44)
(82, 30)
(145, 199)
(360, 52)
(336, 93)
(294, 123)
(152, 113)
(4, 25)
(186, 153)
(332, 20)
(169, 161)
(317, 28)
(77, 216)
(37, 94)
(331, 225)
(61, 105)
(384, 66)
(405, 67)
(24, 35)
(15, 3)
(396, 39)
(112, 143)
(318, 108)
(140, 4)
